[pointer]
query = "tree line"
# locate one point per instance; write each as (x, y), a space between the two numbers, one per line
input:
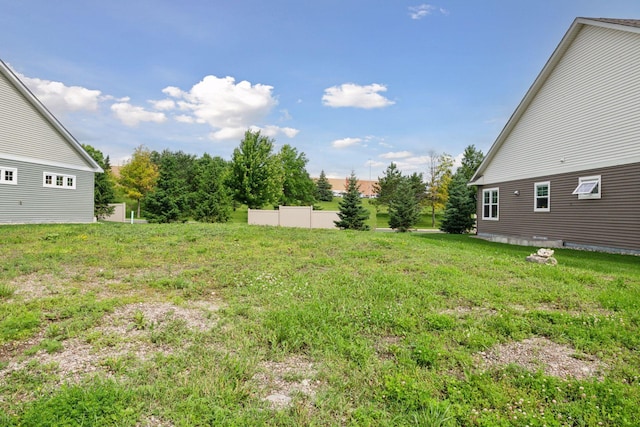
(173, 186)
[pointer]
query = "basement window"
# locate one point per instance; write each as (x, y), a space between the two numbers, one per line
(8, 175)
(58, 180)
(490, 204)
(588, 187)
(542, 197)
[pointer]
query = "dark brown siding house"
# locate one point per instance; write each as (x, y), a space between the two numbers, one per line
(565, 170)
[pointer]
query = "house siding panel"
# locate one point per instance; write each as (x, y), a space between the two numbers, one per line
(31, 202)
(24, 132)
(590, 100)
(613, 221)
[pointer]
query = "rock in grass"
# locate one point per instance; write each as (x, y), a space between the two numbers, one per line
(543, 256)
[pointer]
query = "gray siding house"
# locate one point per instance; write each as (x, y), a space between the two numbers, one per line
(45, 174)
(565, 170)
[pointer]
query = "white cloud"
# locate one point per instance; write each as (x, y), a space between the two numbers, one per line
(230, 108)
(273, 131)
(131, 115)
(163, 104)
(182, 118)
(352, 95)
(396, 155)
(413, 164)
(173, 91)
(345, 142)
(60, 98)
(423, 10)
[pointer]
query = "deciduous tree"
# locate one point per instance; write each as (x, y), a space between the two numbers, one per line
(138, 176)
(438, 178)
(298, 188)
(256, 173)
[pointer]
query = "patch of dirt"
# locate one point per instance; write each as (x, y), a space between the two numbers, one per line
(130, 324)
(133, 319)
(465, 311)
(283, 380)
(153, 421)
(543, 354)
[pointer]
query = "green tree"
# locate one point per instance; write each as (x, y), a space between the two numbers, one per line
(103, 185)
(168, 201)
(353, 215)
(438, 178)
(462, 201)
(184, 166)
(458, 213)
(298, 188)
(386, 186)
(212, 198)
(138, 176)
(404, 208)
(323, 188)
(418, 186)
(256, 174)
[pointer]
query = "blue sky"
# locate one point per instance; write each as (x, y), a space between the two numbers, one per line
(353, 84)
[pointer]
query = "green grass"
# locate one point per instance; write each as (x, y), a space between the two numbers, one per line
(385, 328)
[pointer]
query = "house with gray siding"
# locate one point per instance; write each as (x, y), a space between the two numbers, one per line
(45, 174)
(565, 170)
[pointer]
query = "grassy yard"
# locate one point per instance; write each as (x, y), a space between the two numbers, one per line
(197, 324)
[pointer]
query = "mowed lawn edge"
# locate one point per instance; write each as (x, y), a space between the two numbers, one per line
(208, 324)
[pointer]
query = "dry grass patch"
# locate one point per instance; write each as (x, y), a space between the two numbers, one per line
(282, 381)
(130, 326)
(543, 354)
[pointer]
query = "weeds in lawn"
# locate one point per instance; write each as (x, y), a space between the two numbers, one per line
(207, 324)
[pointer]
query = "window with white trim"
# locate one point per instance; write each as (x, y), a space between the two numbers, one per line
(8, 175)
(542, 196)
(589, 187)
(59, 180)
(490, 199)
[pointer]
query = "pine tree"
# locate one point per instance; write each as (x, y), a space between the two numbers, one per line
(212, 199)
(404, 207)
(104, 184)
(386, 186)
(461, 206)
(353, 215)
(458, 214)
(168, 201)
(323, 188)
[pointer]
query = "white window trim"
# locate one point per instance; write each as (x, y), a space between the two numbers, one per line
(584, 179)
(54, 179)
(490, 191)
(535, 196)
(13, 181)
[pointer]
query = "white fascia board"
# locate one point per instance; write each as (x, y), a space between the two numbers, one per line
(45, 162)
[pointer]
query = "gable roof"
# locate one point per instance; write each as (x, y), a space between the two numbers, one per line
(629, 25)
(48, 116)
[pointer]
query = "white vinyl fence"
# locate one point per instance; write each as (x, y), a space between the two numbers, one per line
(294, 216)
(119, 213)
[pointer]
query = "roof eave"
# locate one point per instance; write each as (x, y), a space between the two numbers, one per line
(24, 90)
(551, 63)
